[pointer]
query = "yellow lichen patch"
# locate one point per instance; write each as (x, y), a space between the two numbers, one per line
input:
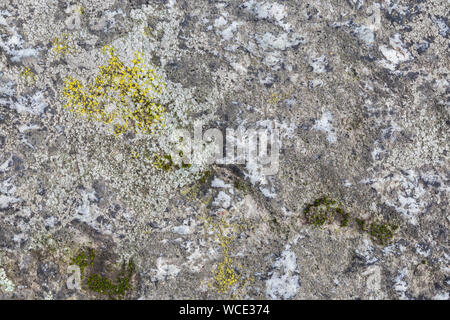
(125, 97)
(225, 277)
(275, 98)
(61, 45)
(28, 76)
(162, 161)
(148, 31)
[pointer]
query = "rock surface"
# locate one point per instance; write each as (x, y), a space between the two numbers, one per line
(358, 89)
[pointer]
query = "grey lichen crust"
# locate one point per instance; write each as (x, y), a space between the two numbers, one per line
(359, 90)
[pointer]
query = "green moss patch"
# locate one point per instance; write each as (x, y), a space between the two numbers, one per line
(115, 287)
(325, 211)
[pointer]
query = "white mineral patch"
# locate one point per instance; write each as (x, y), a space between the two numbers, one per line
(25, 127)
(50, 222)
(324, 124)
(195, 260)
(442, 26)
(366, 251)
(7, 194)
(88, 212)
(281, 41)
(357, 3)
(241, 69)
(6, 201)
(404, 192)
(390, 250)
(6, 284)
(249, 208)
(268, 193)
(286, 212)
(5, 165)
(400, 285)
(284, 281)
(13, 44)
(34, 104)
(442, 296)
(183, 229)
(222, 200)
(319, 64)
(373, 281)
(218, 183)
(315, 83)
(220, 22)
(422, 252)
(165, 271)
(267, 10)
(392, 5)
(366, 34)
(376, 152)
(74, 20)
(228, 33)
(396, 53)
(171, 3)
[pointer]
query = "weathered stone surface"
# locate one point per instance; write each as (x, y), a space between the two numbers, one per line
(359, 90)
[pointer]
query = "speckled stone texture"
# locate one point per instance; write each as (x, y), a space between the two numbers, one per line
(358, 89)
